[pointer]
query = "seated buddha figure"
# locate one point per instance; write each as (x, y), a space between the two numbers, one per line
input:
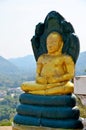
(54, 70)
(54, 67)
(56, 49)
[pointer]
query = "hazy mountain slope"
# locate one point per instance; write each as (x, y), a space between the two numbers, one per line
(7, 67)
(25, 63)
(12, 75)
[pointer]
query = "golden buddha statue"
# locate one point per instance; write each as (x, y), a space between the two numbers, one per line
(49, 102)
(54, 67)
(54, 70)
(56, 49)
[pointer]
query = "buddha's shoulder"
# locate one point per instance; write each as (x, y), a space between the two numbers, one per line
(42, 57)
(67, 58)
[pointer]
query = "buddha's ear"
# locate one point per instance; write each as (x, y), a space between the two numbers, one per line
(72, 47)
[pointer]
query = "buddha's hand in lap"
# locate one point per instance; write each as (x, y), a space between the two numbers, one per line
(52, 80)
(41, 80)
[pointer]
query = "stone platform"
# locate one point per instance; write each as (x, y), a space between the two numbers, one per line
(23, 127)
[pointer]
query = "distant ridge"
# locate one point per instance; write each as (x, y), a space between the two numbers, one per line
(26, 63)
(7, 67)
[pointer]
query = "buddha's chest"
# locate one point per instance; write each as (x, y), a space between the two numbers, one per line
(54, 66)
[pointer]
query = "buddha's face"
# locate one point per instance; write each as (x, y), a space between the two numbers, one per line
(54, 42)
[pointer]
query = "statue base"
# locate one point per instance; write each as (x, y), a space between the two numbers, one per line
(36, 111)
(25, 127)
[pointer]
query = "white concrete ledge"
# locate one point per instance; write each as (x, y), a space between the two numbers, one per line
(80, 85)
(23, 127)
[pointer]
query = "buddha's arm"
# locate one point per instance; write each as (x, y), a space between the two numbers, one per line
(69, 71)
(39, 68)
(39, 78)
(69, 64)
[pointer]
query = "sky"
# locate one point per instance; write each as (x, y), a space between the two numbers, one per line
(18, 19)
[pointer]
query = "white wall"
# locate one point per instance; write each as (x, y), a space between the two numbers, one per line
(80, 85)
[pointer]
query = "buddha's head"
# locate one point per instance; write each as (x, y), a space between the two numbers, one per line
(54, 42)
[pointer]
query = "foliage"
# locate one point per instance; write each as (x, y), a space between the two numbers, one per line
(12, 80)
(8, 109)
(9, 95)
(82, 108)
(5, 123)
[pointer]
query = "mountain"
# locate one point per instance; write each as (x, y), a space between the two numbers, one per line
(26, 63)
(7, 67)
(81, 64)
